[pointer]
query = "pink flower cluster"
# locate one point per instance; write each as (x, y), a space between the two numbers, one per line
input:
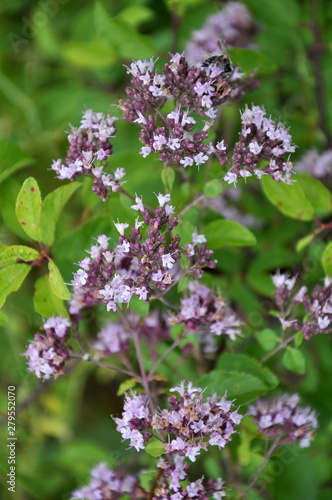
(107, 484)
(48, 353)
(193, 90)
(192, 424)
(135, 423)
(318, 305)
(89, 152)
(136, 266)
(174, 483)
(260, 140)
(111, 339)
(114, 338)
(207, 314)
(282, 418)
(233, 22)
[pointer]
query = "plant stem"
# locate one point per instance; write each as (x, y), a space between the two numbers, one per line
(155, 484)
(260, 468)
(110, 367)
(176, 22)
(192, 204)
(278, 348)
(144, 379)
(163, 356)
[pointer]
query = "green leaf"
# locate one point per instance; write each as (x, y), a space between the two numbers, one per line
(226, 232)
(51, 208)
(190, 338)
(242, 363)
(318, 195)
(28, 205)
(185, 230)
(11, 159)
(45, 302)
(56, 282)
(243, 450)
(18, 252)
(184, 261)
(168, 177)
(303, 242)
(242, 387)
(155, 448)
(128, 384)
(250, 59)
(183, 283)
(176, 330)
(327, 259)
(139, 306)
(212, 188)
(299, 338)
(11, 278)
(123, 37)
(134, 15)
(289, 199)
(267, 339)
(9, 192)
(92, 54)
(147, 478)
(294, 360)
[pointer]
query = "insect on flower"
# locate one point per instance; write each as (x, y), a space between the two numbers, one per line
(223, 61)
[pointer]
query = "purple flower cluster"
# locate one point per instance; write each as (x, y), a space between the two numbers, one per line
(261, 140)
(89, 152)
(318, 305)
(48, 353)
(282, 418)
(233, 22)
(135, 423)
(170, 487)
(199, 256)
(193, 90)
(206, 313)
(151, 330)
(315, 164)
(106, 484)
(136, 266)
(114, 338)
(192, 424)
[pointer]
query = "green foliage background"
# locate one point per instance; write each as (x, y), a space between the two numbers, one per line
(60, 57)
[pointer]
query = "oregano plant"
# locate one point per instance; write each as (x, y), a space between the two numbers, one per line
(191, 270)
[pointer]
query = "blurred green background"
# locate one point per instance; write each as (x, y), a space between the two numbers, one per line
(59, 57)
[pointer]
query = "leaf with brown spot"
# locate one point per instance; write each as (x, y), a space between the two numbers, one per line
(28, 206)
(18, 252)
